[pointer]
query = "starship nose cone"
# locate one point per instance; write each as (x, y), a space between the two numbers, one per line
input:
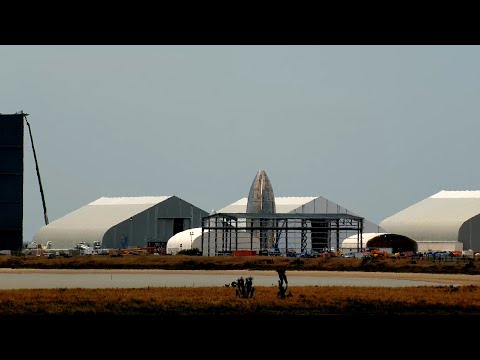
(261, 199)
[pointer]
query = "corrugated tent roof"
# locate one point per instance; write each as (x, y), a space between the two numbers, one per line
(91, 221)
(437, 218)
(331, 216)
(353, 240)
(183, 239)
(283, 204)
(302, 204)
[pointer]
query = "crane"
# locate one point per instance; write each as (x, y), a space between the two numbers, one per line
(36, 167)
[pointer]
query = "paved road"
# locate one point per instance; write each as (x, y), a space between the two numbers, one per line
(35, 279)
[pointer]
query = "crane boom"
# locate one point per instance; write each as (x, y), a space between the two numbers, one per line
(38, 171)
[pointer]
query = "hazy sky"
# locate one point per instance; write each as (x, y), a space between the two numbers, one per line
(372, 128)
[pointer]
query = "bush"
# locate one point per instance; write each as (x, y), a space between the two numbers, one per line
(194, 252)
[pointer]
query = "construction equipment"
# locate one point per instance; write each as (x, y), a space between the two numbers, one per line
(377, 253)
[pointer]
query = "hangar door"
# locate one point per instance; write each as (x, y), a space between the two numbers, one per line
(167, 227)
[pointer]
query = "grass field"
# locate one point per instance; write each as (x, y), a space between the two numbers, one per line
(223, 302)
(185, 262)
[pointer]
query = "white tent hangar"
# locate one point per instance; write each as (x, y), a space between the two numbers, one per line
(302, 205)
(352, 243)
(192, 239)
(184, 240)
(394, 242)
(446, 221)
(122, 222)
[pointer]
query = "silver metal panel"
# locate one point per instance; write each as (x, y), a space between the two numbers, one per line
(261, 200)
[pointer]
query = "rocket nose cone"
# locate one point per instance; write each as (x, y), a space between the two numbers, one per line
(261, 174)
(260, 197)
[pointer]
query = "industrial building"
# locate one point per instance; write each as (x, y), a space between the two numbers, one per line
(264, 223)
(294, 223)
(11, 181)
(327, 222)
(122, 222)
(293, 233)
(446, 221)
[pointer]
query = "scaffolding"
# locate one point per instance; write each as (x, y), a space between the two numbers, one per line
(223, 233)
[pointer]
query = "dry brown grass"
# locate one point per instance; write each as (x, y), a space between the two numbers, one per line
(223, 301)
(185, 262)
(464, 300)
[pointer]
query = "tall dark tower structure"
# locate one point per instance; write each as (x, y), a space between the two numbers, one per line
(11, 181)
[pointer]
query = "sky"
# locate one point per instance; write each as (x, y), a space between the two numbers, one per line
(373, 128)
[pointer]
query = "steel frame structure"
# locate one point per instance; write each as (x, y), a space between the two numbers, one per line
(323, 230)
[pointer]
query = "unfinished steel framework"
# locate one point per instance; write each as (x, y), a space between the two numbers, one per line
(223, 233)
